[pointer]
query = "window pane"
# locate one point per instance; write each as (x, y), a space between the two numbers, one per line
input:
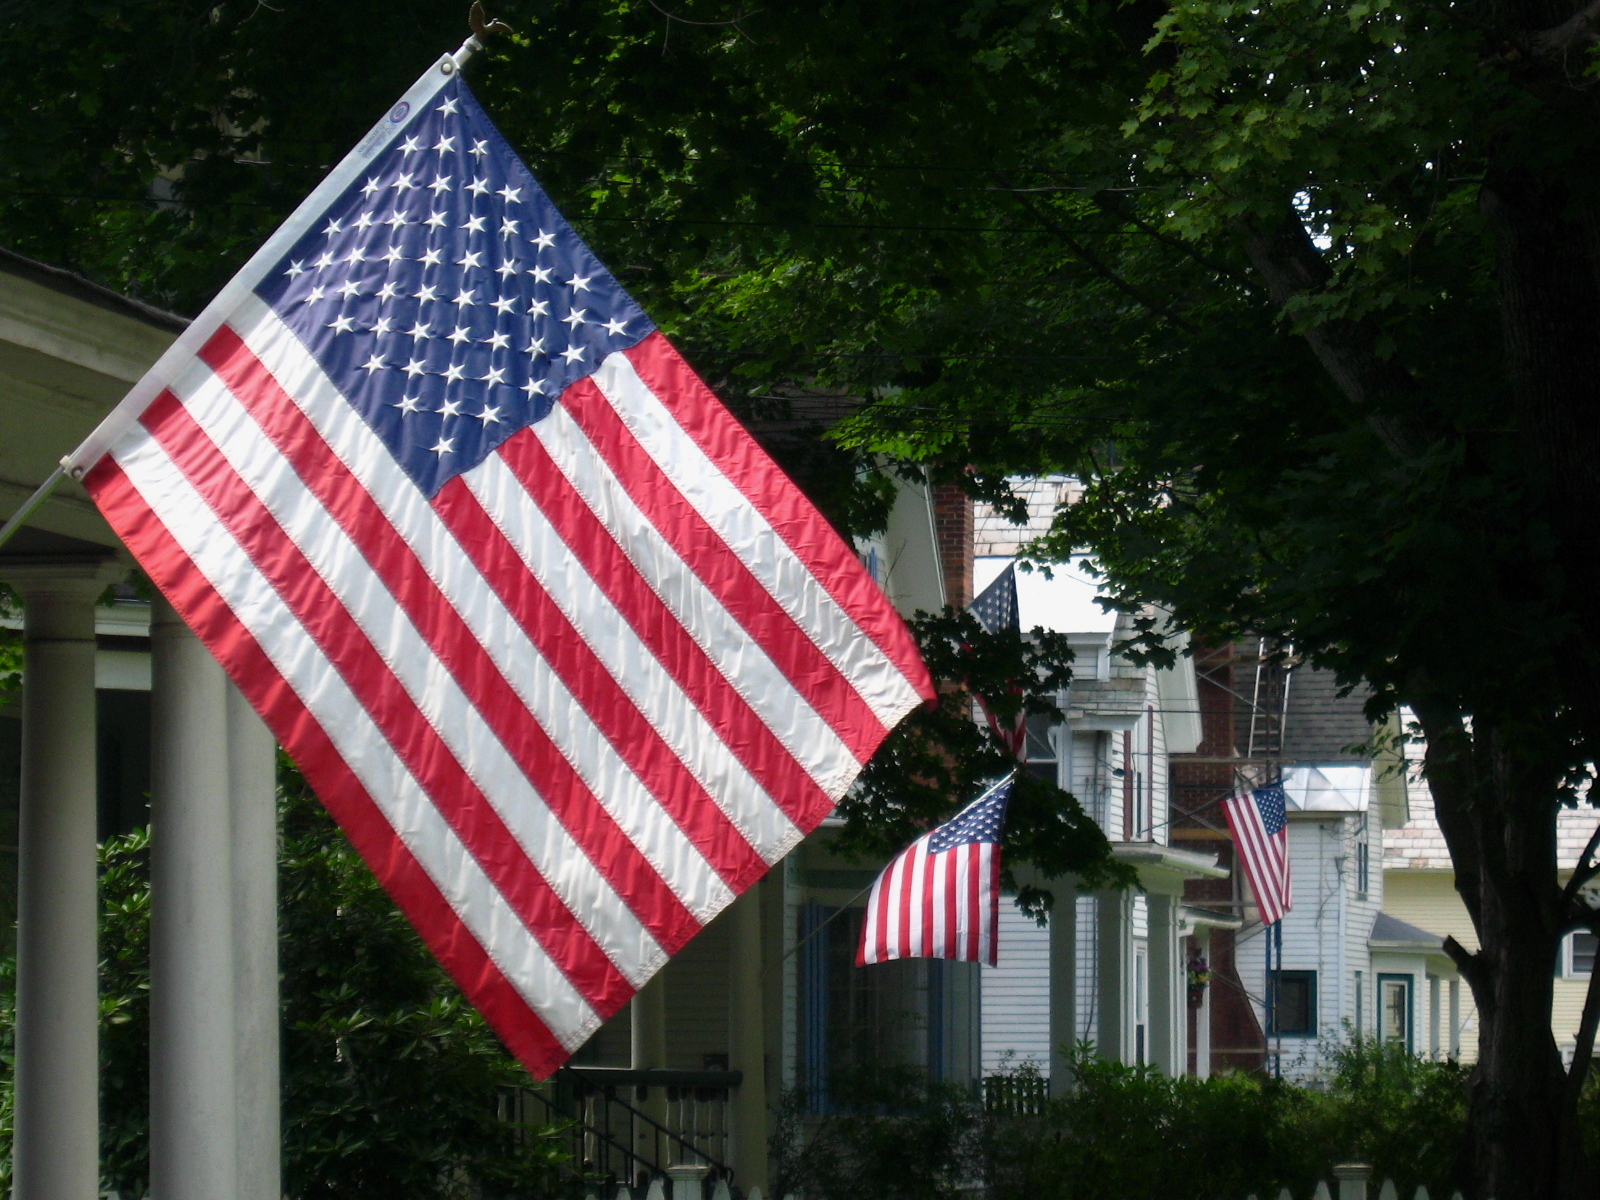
(1039, 747)
(1396, 1011)
(1583, 951)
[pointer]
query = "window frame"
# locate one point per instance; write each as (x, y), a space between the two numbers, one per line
(1409, 982)
(1274, 979)
(1567, 961)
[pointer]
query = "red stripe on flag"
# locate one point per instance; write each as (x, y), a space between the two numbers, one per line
(723, 572)
(740, 727)
(885, 904)
(903, 895)
(738, 456)
(170, 569)
(345, 644)
(613, 711)
(603, 841)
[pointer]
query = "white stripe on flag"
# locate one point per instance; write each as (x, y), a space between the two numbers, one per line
(758, 545)
(476, 902)
(568, 725)
(548, 845)
(747, 668)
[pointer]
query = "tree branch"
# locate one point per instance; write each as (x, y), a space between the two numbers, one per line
(1292, 266)
(1465, 960)
(1090, 260)
(1559, 42)
(1448, 767)
(1117, 207)
(1583, 1050)
(1584, 871)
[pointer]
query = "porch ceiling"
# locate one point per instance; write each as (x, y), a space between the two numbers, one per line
(69, 350)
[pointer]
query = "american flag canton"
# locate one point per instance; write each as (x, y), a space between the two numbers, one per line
(447, 297)
(1273, 806)
(980, 821)
(996, 605)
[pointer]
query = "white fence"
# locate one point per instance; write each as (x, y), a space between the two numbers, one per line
(1352, 1182)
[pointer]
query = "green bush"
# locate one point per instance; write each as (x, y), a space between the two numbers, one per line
(1129, 1133)
(888, 1133)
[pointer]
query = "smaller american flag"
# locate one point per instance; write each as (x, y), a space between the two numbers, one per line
(940, 898)
(996, 610)
(1260, 825)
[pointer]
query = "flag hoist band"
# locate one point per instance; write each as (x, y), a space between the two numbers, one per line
(567, 656)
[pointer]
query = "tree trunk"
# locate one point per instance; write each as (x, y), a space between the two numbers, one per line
(1498, 817)
(1523, 1140)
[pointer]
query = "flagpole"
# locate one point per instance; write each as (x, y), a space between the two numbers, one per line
(40, 494)
(190, 342)
(90, 450)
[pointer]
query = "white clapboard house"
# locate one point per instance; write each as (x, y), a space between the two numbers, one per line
(1110, 970)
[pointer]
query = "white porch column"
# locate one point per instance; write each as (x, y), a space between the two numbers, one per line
(1115, 1035)
(193, 1132)
(252, 786)
(1454, 1040)
(56, 1145)
(1063, 984)
(648, 1017)
(1202, 1017)
(1169, 1011)
(747, 1051)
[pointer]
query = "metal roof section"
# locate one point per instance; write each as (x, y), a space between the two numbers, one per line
(1391, 933)
(1328, 787)
(1063, 603)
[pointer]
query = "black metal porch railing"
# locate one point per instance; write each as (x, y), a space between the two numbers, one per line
(612, 1141)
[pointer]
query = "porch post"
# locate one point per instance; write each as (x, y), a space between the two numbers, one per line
(648, 1015)
(1063, 984)
(747, 1051)
(1202, 1017)
(1116, 970)
(56, 1144)
(252, 787)
(1168, 1005)
(193, 1115)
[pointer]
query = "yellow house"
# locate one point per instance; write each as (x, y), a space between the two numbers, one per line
(1419, 889)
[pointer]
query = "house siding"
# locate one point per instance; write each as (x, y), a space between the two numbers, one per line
(1016, 1025)
(1428, 900)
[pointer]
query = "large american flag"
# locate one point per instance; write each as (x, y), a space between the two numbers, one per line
(568, 657)
(1260, 825)
(940, 897)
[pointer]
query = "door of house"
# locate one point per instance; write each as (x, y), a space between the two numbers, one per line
(1141, 1002)
(1394, 1009)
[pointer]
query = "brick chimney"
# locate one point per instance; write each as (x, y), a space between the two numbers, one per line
(952, 522)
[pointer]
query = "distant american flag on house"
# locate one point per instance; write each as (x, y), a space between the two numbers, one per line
(1260, 824)
(940, 897)
(997, 611)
